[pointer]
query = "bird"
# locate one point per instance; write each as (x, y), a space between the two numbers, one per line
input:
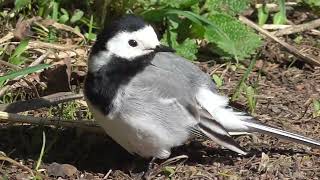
(150, 100)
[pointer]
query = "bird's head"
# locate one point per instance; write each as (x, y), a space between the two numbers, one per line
(128, 38)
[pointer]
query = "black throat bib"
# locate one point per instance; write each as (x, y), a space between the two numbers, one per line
(101, 87)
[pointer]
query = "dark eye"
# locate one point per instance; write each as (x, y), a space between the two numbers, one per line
(132, 43)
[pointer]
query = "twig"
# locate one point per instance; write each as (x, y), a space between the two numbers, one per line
(307, 58)
(315, 32)
(4, 158)
(68, 28)
(273, 6)
(9, 65)
(299, 28)
(40, 44)
(6, 37)
(46, 101)
(4, 89)
(275, 26)
(21, 119)
(40, 59)
(108, 174)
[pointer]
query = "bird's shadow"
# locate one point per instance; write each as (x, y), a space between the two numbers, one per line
(97, 152)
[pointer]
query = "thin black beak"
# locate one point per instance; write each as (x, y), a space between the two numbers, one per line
(162, 48)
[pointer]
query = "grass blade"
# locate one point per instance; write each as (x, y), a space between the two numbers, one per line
(22, 72)
(42, 151)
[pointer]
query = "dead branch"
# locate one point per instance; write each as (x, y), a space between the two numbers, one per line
(275, 26)
(46, 101)
(86, 125)
(5, 158)
(299, 28)
(291, 49)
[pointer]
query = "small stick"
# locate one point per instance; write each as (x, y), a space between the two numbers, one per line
(4, 158)
(272, 5)
(21, 119)
(7, 37)
(275, 26)
(9, 65)
(314, 32)
(306, 58)
(40, 59)
(46, 101)
(299, 28)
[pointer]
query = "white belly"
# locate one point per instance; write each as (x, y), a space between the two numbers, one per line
(134, 140)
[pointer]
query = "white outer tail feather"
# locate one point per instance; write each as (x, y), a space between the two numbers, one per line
(237, 123)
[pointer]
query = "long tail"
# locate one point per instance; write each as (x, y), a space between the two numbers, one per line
(218, 134)
(255, 126)
(239, 123)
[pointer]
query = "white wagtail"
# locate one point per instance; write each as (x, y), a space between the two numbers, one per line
(149, 100)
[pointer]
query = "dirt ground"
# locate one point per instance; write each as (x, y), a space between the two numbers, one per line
(285, 93)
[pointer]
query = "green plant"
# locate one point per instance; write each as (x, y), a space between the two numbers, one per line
(263, 14)
(168, 171)
(218, 80)
(22, 72)
(208, 22)
(316, 108)
(90, 35)
(242, 84)
(17, 58)
(37, 177)
(70, 110)
(280, 17)
(314, 4)
(53, 9)
(251, 98)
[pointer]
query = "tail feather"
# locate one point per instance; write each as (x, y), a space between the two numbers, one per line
(218, 134)
(235, 122)
(265, 129)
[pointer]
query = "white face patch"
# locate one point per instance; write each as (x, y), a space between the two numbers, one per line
(146, 39)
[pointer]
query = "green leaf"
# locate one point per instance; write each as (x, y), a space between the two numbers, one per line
(77, 15)
(263, 14)
(17, 58)
(22, 72)
(188, 48)
(250, 93)
(55, 10)
(18, 4)
(90, 36)
(22, 47)
(316, 108)
(231, 37)
(236, 39)
(64, 17)
(168, 171)
(241, 83)
(178, 3)
(218, 80)
(280, 17)
(231, 7)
